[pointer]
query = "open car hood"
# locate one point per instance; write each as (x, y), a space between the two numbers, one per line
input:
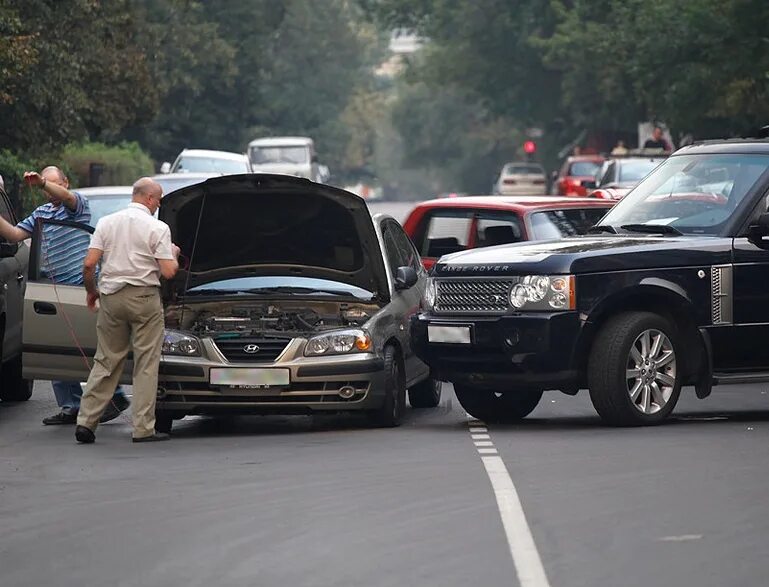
(259, 224)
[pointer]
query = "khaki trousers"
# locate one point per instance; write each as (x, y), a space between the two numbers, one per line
(130, 317)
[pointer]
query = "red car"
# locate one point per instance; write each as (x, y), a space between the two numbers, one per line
(440, 227)
(577, 173)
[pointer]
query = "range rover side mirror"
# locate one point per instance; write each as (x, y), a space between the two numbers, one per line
(166, 167)
(8, 250)
(405, 278)
(760, 228)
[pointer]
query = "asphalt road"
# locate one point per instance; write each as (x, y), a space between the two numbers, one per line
(302, 501)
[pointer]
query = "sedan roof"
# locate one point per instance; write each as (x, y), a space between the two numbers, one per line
(515, 203)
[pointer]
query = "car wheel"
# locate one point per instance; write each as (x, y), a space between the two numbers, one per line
(394, 405)
(425, 394)
(164, 421)
(13, 387)
(497, 407)
(634, 372)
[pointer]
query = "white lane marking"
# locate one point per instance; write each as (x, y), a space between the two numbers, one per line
(487, 451)
(531, 572)
(480, 436)
(481, 429)
(682, 538)
(483, 443)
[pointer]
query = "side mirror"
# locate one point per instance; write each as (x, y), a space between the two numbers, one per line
(8, 250)
(166, 167)
(761, 228)
(405, 278)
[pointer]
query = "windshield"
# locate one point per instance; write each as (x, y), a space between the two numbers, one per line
(296, 285)
(635, 171)
(556, 224)
(176, 181)
(103, 205)
(211, 165)
(296, 155)
(584, 168)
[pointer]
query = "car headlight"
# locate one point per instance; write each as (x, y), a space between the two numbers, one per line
(338, 342)
(428, 298)
(544, 292)
(180, 344)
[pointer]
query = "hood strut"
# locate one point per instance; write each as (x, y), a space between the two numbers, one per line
(194, 247)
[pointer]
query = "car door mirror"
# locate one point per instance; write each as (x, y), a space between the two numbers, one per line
(166, 167)
(8, 250)
(405, 278)
(761, 227)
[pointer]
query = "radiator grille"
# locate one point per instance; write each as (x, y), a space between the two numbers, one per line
(251, 350)
(473, 296)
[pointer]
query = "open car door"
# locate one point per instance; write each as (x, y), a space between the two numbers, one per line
(59, 332)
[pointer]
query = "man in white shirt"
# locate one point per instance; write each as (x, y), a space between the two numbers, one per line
(135, 249)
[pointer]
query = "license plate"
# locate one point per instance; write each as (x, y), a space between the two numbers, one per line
(250, 378)
(448, 334)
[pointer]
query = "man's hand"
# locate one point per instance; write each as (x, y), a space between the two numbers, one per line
(175, 250)
(91, 300)
(34, 178)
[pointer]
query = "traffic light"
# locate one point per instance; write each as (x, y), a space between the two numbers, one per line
(529, 147)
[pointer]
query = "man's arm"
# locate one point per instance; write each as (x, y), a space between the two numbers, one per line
(66, 197)
(89, 276)
(11, 233)
(169, 267)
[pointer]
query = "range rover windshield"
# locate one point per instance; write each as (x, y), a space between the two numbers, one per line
(689, 194)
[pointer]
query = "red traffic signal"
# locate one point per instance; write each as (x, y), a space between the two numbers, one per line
(529, 147)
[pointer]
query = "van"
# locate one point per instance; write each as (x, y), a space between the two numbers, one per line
(289, 155)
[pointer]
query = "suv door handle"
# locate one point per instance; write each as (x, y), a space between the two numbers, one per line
(44, 308)
(19, 277)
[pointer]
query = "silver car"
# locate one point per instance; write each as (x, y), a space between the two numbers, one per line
(292, 299)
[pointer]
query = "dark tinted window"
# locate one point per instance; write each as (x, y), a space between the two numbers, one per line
(443, 232)
(554, 224)
(497, 228)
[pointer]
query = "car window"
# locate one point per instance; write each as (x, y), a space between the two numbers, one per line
(584, 168)
(406, 251)
(391, 250)
(608, 173)
(695, 194)
(60, 253)
(444, 232)
(103, 205)
(5, 210)
(210, 165)
(261, 155)
(518, 169)
(497, 228)
(555, 224)
(635, 171)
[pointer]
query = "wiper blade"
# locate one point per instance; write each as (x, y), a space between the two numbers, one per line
(291, 289)
(652, 228)
(602, 228)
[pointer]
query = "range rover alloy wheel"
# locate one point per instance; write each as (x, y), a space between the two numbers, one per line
(494, 407)
(394, 405)
(634, 371)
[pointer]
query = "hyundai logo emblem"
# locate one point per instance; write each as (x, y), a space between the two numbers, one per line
(251, 348)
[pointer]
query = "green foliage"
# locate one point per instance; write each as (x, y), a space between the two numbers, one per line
(122, 164)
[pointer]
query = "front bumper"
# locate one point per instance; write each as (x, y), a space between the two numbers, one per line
(315, 382)
(532, 351)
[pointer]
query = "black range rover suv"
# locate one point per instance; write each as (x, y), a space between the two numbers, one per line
(670, 289)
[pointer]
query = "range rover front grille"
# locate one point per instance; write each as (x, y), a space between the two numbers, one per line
(251, 350)
(472, 296)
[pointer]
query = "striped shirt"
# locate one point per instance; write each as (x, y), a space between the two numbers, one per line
(63, 248)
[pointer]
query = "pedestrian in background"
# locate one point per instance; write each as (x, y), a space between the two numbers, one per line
(63, 263)
(135, 249)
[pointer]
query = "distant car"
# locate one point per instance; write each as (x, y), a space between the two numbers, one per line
(577, 174)
(440, 227)
(289, 155)
(618, 176)
(105, 200)
(521, 179)
(175, 181)
(206, 161)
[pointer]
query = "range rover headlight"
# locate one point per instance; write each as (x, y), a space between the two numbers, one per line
(544, 292)
(428, 298)
(180, 344)
(338, 342)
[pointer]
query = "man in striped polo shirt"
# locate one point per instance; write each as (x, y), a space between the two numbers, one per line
(63, 252)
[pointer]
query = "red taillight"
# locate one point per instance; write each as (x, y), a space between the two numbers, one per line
(539, 182)
(508, 181)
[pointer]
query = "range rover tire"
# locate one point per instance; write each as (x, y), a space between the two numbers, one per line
(425, 394)
(494, 407)
(634, 374)
(164, 421)
(13, 387)
(394, 406)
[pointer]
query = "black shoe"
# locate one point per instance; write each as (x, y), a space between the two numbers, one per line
(60, 418)
(119, 403)
(157, 437)
(84, 435)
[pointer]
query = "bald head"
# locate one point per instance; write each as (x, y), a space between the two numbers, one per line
(52, 173)
(148, 192)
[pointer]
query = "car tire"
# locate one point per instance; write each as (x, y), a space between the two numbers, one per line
(634, 374)
(164, 421)
(394, 405)
(13, 387)
(425, 394)
(495, 407)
